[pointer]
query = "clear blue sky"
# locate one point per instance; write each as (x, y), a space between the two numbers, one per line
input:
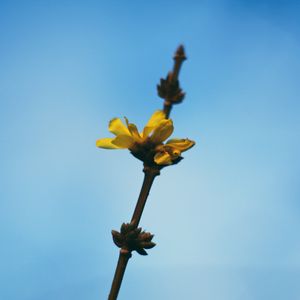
(68, 67)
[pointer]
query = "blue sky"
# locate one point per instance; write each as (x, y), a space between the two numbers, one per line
(68, 67)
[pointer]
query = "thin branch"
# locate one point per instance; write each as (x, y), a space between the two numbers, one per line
(119, 273)
(125, 254)
(169, 88)
(171, 92)
(150, 174)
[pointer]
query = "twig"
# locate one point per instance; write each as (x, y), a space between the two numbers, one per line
(169, 88)
(131, 238)
(125, 254)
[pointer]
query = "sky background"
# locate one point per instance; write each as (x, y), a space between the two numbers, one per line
(226, 219)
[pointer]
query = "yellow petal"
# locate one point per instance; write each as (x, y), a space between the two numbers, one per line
(106, 144)
(173, 152)
(162, 131)
(163, 158)
(155, 119)
(157, 116)
(117, 127)
(133, 131)
(180, 144)
(123, 141)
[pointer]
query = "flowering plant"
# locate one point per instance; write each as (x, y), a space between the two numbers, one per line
(147, 145)
(150, 147)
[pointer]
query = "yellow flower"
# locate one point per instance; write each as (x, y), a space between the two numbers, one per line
(147, 145)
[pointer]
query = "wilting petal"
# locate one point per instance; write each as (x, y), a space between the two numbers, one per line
(163, 158)
(157, 117)
(173, 152)
(180, 144)
(106, 144)
(162, 131)
(117, 127)
(123, 141)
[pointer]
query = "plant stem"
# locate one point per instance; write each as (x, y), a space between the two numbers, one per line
(119, 273)
(124, 256)
(167, 108)
(179, 58)
(150, 174)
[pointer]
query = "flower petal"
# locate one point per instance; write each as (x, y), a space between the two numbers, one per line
(162, 131)
(173, 152)
(133, 131)
(163, 158)
(180, 144)
(106, 143)
(123, 141)
(155, 119)
(117, 127)
(157, 116)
